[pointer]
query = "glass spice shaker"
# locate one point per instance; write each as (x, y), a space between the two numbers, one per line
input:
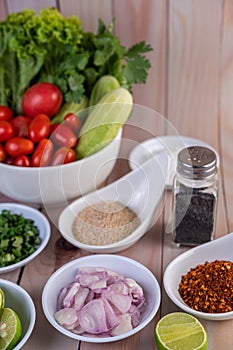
(195, 193)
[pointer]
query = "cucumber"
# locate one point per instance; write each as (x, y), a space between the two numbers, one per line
(103, 85)
(103, 122)
(72, 107)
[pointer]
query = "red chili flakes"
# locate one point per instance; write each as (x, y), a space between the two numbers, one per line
(209, 287)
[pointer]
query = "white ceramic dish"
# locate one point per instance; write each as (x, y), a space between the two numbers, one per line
(54, 185)
(125, 266)
(20, 301)
(220, 249)
(39, 220)
(170, 145)
(140, 190)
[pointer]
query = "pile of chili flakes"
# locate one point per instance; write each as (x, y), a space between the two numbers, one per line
(209, 287)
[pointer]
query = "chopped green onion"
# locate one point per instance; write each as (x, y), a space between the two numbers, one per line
(19, 237)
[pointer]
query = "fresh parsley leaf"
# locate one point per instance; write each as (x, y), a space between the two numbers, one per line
(138, 49)
(137, 65)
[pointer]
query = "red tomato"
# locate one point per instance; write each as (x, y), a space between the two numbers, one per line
(72, 122)
(43, 153)
(54, 127)
(20, 125)
(6, 130)
(9, 160)
(22, 161)
(39, 128)
(63, 155)
(42, 98)
(19, 146)
(2, 153)
(64, 136)
(5, 113)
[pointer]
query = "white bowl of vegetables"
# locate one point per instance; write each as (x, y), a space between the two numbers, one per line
(25, 232)
(101, 298)
(53, 162)
(57, 71)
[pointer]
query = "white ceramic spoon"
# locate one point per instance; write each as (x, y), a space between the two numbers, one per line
(140, 190)
(218, 249)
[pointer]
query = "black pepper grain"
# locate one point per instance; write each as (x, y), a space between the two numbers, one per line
(194, 216)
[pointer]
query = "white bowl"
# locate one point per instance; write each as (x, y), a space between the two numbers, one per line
(57, 184)
(218, 249)
(120, 264)
(171, 145)
(140, 190)
(20, 301)
(39, 220)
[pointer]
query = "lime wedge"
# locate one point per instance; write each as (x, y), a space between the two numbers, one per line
(10, 329)
(180, 331)
(2, 299)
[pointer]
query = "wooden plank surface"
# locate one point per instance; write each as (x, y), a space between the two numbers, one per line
(226, 106)
(88, 11)
(145, 20)
(2, 10)
(17, 6)
(188, 92)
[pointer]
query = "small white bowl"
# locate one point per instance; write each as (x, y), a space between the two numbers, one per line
(56, 185)
(218, 249)
(122, 265)
(140, 190)
(20, 301)
(39, 220)
(171, 145)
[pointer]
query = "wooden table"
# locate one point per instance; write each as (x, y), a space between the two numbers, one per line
(155, 250)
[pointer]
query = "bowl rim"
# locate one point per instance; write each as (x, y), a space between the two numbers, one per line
(32, 308)
(154, 309)
(178, 300)
(67, 166)
(40, 248)
(130, 239)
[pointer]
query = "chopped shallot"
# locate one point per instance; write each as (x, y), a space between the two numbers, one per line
(100, 302)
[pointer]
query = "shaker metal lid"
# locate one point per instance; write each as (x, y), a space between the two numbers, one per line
(196, 162)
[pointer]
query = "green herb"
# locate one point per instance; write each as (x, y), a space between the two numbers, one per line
(49, 47)
(19, 238)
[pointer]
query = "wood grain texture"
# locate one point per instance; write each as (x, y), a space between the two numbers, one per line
(145, 20)
(17, 6)
(226, 107)
(193, 69)
(2, 10)
(88, 11)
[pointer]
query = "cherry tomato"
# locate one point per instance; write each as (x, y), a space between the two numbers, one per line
(63, 155)
(39, 128)
(42, 98)
(53, 127)
(2, 153)
(6, 130)
(22, 161)
(43, 153)
(20, 125)
(19, 146)
(73, 122)
(9, 160)
(5, 113)
(64, 136)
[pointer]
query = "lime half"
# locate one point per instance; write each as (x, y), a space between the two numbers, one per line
(180, 331)
(2, 299)
(10, 329)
